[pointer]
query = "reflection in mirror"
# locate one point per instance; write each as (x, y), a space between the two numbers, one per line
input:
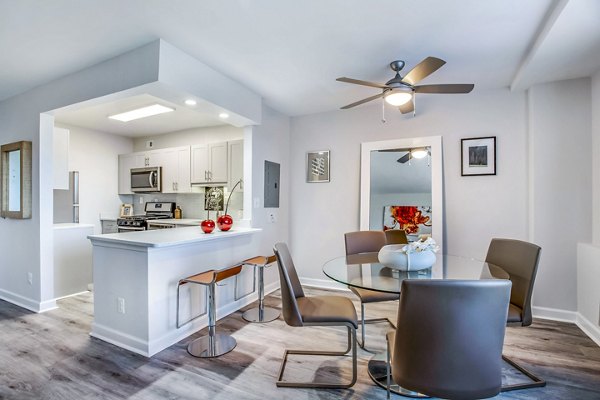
(400, 191)
(403, 176)
(16, 180)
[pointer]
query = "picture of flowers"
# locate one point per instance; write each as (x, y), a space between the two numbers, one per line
(414, 220)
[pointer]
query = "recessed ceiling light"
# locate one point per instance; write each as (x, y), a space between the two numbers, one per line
(223, 115)
(143, 112)
(190, 102)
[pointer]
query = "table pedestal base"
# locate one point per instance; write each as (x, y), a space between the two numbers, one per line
(378, 373)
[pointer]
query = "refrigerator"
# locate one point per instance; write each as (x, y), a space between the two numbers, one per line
(66, 202)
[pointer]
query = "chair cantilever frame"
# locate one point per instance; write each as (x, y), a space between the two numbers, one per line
(291, 293)
(520, 260)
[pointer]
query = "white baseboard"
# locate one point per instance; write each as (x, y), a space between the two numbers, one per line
(323, 284)
(554, 314)
(26, 302)
(590, 329)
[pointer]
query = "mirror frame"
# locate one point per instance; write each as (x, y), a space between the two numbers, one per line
(25, 207)
(437, 181)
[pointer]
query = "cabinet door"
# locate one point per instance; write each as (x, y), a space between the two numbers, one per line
(236, 163)
(199, 161)
(167, 159)
(183, 170)
(218, 162)
(126, 162)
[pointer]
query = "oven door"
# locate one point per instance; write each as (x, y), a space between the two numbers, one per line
(122, 229)
(146, 179)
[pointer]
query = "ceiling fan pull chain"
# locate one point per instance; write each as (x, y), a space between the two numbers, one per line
(383, 110)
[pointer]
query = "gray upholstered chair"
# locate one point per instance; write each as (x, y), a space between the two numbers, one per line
(367, 242)
(395, 236)
(520, 260)
(449, 338)
(299, 310)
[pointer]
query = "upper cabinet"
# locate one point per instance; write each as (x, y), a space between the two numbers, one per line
(236, 163)
(209, 163)
(175, 163)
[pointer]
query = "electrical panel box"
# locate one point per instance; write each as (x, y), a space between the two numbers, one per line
(271, 184)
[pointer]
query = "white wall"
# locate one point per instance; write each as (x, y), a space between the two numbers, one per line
(596, 156)
(190, 137)
(95, 155)
(476, 208)
(561, 186)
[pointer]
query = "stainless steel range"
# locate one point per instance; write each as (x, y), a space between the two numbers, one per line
(153, 209)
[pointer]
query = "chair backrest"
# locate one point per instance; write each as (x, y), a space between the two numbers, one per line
(364, 241)
(291, 289)
(449, 337)
(520, 260)
(395, 236)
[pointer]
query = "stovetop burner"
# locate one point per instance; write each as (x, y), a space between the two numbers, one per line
(154, 210)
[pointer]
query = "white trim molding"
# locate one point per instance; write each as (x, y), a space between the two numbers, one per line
(27, 303)
(593, 331)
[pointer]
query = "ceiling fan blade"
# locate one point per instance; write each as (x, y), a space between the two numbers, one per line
(452, 88)
(404, 158)
(364, 83)
(423, 69)
(362, 101)
(407, 107)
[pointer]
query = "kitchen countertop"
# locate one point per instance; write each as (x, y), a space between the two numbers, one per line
(71, 225)
(167, 237)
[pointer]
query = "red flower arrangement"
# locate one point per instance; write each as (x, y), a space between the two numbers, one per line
(408, 218)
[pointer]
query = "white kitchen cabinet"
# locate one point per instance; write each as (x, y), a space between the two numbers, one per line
(209, 163)
(236, 163)
(175, 163)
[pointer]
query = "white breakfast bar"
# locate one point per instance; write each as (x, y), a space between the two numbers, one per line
(135, 278)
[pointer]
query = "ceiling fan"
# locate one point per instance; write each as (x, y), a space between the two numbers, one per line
(400, 90)
(414, 153)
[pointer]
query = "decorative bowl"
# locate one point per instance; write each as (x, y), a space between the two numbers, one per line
(393, 256)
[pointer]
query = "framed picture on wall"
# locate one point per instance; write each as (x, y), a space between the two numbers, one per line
(317, 166)
(478, 156)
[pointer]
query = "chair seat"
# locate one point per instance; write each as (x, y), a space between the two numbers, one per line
(514, 313)
(372, 296)
(323, 309)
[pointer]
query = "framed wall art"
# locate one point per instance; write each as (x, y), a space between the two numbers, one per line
(478, 156)
(317, 166)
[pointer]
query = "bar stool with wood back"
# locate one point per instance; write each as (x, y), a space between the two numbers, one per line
(261, 313)
(214, 344)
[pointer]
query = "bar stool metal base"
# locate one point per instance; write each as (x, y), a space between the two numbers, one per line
(211, 346)
(378, 373)
(268, 314)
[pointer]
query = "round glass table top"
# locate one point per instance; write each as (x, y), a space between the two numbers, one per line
(364, 271)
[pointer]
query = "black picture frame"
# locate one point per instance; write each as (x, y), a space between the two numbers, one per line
(478, 156)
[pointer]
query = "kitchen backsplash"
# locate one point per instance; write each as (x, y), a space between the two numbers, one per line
(192, 204)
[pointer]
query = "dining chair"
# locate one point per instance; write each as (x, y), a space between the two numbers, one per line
(449, 337)
(395, 236)
(299, 310)
(367, 242)
(520, 261)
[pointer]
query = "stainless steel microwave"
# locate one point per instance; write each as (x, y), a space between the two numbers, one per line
(146, 179)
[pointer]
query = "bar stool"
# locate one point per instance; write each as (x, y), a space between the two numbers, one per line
(214, 344)
(261, 313)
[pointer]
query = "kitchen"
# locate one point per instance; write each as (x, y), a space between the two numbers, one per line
(181, 155)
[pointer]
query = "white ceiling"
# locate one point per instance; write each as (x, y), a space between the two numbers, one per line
(290, 51)
(96, 117)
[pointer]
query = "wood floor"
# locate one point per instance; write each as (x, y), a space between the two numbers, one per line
(51, 356)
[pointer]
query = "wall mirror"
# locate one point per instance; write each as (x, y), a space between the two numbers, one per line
(401, 187)
(16, 180)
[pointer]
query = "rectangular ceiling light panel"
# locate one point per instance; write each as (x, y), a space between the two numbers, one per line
(143, 112)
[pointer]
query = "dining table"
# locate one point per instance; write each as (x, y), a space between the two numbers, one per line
(366, 272)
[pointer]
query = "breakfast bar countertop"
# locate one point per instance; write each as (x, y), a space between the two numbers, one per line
(166, 237)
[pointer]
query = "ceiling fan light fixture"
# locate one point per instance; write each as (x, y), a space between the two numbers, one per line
(419, 153)
(398, 97)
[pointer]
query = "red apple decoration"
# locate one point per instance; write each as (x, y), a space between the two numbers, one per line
(208, 225)
(224, 222)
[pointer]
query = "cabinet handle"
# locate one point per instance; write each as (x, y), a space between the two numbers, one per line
(210, 175)
(177, 186)
(205, 176)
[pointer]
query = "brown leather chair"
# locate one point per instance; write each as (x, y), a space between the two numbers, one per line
(395, 236)
(299, 310)
(214, 344)
(520, 261)
(449, 337)
(367, 242)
